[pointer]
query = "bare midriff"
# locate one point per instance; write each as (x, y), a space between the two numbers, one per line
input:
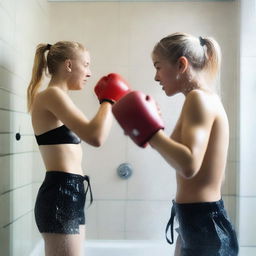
(62, 157)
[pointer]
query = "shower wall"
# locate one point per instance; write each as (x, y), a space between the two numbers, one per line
(120, 38)
(23, 24)
(247, 191)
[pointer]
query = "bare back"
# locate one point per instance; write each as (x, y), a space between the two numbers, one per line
(206, 184)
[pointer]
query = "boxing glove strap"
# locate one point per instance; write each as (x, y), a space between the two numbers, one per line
(107, 100)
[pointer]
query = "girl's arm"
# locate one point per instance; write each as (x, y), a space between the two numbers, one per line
(187, 155)
(94, 131)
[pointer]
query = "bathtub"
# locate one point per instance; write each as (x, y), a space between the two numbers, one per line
(127, 248)
(120, 248)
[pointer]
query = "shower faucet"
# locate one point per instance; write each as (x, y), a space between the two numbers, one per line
(124, 170)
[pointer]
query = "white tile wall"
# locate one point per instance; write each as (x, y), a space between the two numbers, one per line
(247, 221)
(230, 184)
(120, 37)
(111, 224)
(8, 25)
(247, 251)
(5, 209)
(248, 9)
(152, 178)
(24, 241)
(18, 38)
(148, 218)
(4, 240)
(92, 230)
(21, 168)
(127, 219)
(105, 182)
(248, 122)
(247, 192)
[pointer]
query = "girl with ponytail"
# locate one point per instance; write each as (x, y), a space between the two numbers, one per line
(197, 148)
(59, 127)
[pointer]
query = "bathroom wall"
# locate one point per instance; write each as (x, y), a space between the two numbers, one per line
(23, 24)
(247, 192)
(120, 37)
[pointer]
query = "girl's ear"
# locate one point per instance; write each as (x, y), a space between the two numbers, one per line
(182, 64)
(68, 65)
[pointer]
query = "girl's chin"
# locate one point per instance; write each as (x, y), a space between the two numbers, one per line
(169, 94)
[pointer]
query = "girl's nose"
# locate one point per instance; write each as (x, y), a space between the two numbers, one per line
(89, 73)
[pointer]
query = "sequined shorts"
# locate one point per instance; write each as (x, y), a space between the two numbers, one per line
(60, 203)
(204, 229)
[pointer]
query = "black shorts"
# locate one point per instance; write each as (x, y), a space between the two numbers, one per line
(204, 229)
(60, 203)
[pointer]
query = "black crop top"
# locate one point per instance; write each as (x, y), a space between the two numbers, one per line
(59, 135)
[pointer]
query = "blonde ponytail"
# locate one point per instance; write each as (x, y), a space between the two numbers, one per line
(213, 57)
(38, 68)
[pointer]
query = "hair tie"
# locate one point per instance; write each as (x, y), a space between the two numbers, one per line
(48, 46)
(202, 41)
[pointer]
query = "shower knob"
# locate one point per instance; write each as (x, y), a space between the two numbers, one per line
(124, 171)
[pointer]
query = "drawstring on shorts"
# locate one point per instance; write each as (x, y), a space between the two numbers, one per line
(170, 225)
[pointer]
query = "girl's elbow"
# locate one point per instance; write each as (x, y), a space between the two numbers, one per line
(94, 141)
(97, 142)
(189, 172)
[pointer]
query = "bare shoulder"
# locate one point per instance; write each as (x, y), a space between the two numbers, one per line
(53, 93)
(48, 94)
(200, 104)
(54, 98)
(198, 98)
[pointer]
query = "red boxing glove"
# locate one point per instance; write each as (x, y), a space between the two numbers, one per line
(111, 88)
(138, 115)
